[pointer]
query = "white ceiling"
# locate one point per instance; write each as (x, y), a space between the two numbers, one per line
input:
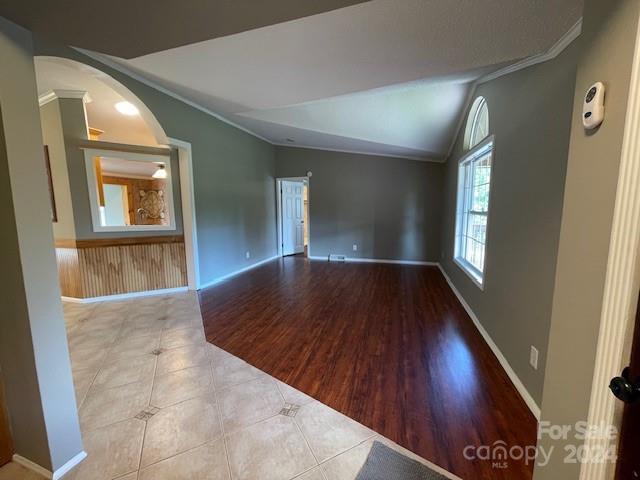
(57, 74)
(386, 77)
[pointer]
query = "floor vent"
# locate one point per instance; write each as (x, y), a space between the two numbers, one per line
(337, 258)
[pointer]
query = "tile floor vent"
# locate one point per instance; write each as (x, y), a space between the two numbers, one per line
(337, 258)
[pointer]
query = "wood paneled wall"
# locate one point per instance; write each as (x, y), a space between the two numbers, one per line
(134, 185)
(95, 268)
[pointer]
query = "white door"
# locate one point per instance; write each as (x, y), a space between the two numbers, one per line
(292, 217)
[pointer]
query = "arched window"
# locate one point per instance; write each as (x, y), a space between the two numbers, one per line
(477, 123)
(474, 188)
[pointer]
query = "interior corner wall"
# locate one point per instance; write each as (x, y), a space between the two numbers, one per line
(530, 116)
(33, 344)
(389, 207)
(609, 35)
(233, 171)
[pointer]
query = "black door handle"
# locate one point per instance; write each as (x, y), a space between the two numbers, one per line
(624, 388)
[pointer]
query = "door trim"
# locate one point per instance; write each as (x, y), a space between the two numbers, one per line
(187, 196)
(279, 181)
(622, 283)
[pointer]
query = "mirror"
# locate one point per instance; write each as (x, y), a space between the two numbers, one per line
(129, 191)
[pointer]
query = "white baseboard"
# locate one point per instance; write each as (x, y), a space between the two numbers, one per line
(70, 465)
(316, 257)
(29, 465)
(58, 474)
(124, 296)
(377, 260)
(522, 390)
(237, 272)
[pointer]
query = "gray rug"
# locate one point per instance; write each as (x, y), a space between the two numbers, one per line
(384, 463)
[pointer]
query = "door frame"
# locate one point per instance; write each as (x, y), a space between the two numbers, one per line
(187, 196)
(279, 181)
(622, 285)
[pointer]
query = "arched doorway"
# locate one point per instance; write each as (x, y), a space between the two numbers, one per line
(117, 120)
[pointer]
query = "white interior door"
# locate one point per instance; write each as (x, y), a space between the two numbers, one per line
(292, 217)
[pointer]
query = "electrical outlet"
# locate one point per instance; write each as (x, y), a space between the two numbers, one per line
(248, 255)
(533, 357)
(355, 247)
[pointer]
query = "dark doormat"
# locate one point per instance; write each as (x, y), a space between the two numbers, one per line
(384, 463)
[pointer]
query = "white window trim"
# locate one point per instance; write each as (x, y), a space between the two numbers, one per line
(91, 153)
(472, 120)
(478, 278)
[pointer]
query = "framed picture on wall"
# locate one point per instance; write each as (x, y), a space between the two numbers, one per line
(52, 197)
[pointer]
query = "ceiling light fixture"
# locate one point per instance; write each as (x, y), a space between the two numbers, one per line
(127, 108)
(160, 172)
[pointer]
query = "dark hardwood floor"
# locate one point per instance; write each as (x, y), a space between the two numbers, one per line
(388, 345)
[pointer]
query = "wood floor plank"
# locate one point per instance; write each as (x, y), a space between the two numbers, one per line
(388, 345)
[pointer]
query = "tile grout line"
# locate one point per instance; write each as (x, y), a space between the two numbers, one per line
(218, 407)
(275, 381)
(144, 432)
(220, 418)
(351, 448)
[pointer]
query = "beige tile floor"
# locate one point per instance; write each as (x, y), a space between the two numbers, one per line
(157, 402)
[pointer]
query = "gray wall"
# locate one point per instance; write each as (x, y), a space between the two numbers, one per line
(33, 342)
(233, 176)
(530, 116)
(609, 36)
(390, 207)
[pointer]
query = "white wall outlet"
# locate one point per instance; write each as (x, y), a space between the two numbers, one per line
(355, 247)
(533, 357)
(248, 255)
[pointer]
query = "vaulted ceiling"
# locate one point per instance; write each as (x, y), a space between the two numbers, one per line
(385, 76)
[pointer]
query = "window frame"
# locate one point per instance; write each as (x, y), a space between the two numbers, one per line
(478, 277)
(91, 152)
(472, 122)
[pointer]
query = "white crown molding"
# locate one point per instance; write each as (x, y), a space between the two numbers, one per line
(52, 95)
(130, 73)
(550, 54)
(555, 50)
(360, 152)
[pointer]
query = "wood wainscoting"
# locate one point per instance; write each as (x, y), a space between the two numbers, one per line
(113, 266)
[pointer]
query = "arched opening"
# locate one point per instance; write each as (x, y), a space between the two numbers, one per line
(117, 182)
(104, 93)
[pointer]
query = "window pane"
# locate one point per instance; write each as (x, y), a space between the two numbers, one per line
(480, 198)
(477, 227)
(482, 170)
(473, 208)
(480, 129)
